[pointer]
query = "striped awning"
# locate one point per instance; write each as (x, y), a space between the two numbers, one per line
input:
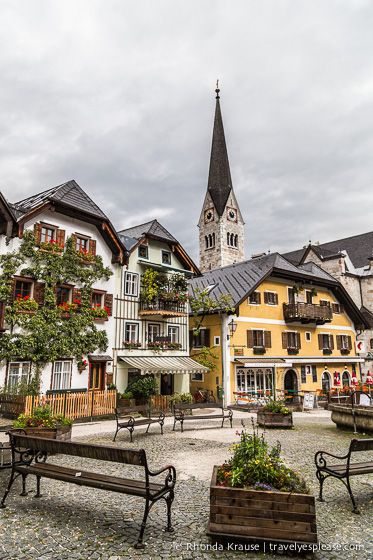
(160, 364)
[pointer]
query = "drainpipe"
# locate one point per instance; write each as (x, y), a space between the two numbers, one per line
(225, 363)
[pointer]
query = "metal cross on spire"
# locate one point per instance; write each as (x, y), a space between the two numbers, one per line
(217, 91)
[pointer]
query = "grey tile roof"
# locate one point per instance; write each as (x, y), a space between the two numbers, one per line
(359, 248)
(67, 194)
(241, 278)
(152, 228)
(219, 181)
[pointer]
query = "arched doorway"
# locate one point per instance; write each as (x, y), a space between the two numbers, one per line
(325, 382)
(291, 384)
(345, 379)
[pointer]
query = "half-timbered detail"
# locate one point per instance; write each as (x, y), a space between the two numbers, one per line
(151, 316)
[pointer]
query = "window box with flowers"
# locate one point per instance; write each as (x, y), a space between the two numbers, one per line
(100, 313)
(86, 256)
(130, 344)
(51, 246)
(82, 365)
(25, 305)
(68, 309)
(161, 346)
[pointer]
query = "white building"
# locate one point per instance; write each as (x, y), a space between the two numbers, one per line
(55, 215)
(151, 331)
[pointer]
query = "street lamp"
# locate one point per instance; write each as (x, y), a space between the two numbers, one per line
(232, 327)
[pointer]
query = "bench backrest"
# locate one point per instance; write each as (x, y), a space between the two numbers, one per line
(361, 445)
(187, 406)
(128, 410)
(22, 441)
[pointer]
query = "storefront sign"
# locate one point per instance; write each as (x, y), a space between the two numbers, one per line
(309, 401)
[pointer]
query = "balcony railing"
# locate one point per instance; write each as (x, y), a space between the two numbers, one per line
(162, 307)
(307, 313)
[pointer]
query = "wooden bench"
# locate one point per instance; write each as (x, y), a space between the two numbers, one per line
(180, 416)
(124, 418)
(343, 471)
(30, 456)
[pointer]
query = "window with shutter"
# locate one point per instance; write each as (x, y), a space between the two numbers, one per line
(22, 288)
(202, 338)
(254, 298)
(271, 298)
(39, 288)
(267, 339)
(92, 247)
(320, 338)
(108, 304)
(284, 337)
(60, 237)
(258, 338)
(37, 233)
(336, 308)
(339, 341)
(314, 374)
(250, 339)
(298, 341)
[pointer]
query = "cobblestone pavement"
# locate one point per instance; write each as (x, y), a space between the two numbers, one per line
(75, 523)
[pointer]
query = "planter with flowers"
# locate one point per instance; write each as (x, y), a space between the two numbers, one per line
(100, 313)
(51, 246)
(86, 256)
(255, 496)
(25, 305)
(82, 365)
(67, 309)
(162, 345)
(42, 422)
(131, 344)
(275, 415)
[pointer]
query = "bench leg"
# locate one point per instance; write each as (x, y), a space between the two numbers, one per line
(130, 429)
(147, 429)
(116, 433)
(348, 486)
(24, 491)
(139, 543)
(182, 425)
(222, 424)
(173, 429)
(231, 421)
(12, 478)
(161, 423)
(321, 479)
(38, 495)
(169, 500)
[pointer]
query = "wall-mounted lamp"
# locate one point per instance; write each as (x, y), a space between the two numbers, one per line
(232, 327)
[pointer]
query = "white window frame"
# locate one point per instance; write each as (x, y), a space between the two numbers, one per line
(132, 331)
(131, 284)
(149, 328)
(309, 335)
(200, 379)
(344, 343)
(176, 330)
(263, 338)
(216, 340)
(63, 376)
(164, 252)
(101, 294)
(14, 379)
(295, 347)
(147, 251)
(270, 292)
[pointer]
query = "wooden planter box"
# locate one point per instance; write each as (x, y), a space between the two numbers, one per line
(255, 515)
(62, 432)
(123, 403)
(274, 419)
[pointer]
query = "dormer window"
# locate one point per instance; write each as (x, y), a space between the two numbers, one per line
(166, 257)
(143, 252)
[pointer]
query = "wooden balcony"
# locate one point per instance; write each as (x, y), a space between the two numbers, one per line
(307, 313)
(159, 307)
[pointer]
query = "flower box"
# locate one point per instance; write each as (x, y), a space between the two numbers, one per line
(326, 351)
(293, 351)
(247, 515)
(274, 419)
(62, 433)
(345, 351)
(259, 350)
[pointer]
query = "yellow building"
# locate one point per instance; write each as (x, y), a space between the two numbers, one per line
(293, 329)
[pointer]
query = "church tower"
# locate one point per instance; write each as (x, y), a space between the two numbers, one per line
(221, 226)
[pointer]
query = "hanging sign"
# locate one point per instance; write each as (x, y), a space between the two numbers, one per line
(360, 346)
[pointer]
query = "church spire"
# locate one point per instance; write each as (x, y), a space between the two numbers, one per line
(219, 182)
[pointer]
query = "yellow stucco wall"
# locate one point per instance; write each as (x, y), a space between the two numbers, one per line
(271, 318)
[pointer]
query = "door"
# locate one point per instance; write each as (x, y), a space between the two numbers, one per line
(291, 384)
(97, 376)
(167, 384)
(325, 382)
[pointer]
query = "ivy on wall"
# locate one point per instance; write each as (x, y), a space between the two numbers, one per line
(40, 331)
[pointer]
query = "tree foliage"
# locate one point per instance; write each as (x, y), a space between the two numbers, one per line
(202, 304)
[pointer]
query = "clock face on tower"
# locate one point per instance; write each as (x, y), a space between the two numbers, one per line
(209, 215)
(232, 214)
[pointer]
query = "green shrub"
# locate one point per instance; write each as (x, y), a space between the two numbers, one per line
(41, 417)
(177, 398)
(144, 387)
(255, 465)
(127, 395)
(276, 406)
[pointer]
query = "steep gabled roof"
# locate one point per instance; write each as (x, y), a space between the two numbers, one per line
(152, 228)
(359, 248)
(240, 279)
(219, 181)
(67, 194)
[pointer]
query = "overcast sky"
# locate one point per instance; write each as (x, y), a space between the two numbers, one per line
(119, 95)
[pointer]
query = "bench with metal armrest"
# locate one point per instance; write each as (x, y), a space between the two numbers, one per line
(125, 419)
(181, 416)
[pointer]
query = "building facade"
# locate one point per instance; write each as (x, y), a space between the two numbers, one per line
(221, 226)
(293, 329)
(55, 216)
(151, 313)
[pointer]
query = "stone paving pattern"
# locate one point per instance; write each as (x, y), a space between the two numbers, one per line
(76, 523)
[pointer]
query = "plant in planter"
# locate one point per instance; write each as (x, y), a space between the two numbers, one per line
(51, 246)
(44, 423)
(143, 388)
(99, 312)
(131, 344)
(25, 304)
(125, 399)
(82, 365)
(177, 398)
(275, 415)
(254, 495)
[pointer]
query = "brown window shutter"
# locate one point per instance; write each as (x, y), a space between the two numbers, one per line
(77, 294)
(39, 288)
(191, 339)
(92, 247)
(250, 339)
(60, 237)
(267, 339)
(298, 340)
(265, 297)
(206, 337)
(258, 297)
(339, 341)
(320, 342)
(73, 241)
(349, 343)
(331, 341)
(276, 299)
(108, 303)
(37, 233)
(284, 339)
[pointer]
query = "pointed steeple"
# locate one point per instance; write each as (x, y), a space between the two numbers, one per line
(220, 181)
